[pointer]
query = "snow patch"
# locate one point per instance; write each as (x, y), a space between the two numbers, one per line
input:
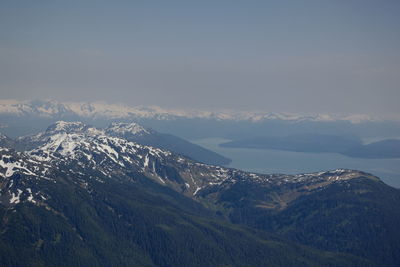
(15, 197)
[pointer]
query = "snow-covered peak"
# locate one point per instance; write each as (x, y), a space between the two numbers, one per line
(125, 129)
(67, 127)
(74, 140)
(60, 129)
(101, 154)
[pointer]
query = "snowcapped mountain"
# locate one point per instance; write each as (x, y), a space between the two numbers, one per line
(75, 148)
(131, 132)
(128, 129)
(83, 147)
(55, 109)
(85, 185)
(81, 197)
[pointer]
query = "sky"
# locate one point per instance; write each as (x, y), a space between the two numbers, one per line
(337, 56)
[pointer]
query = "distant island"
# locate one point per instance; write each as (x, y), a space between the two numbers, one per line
(317, 143)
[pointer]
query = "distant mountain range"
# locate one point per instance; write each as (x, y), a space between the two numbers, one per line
(79, 196)
(26, 121)
(51, 108)
(19, 118)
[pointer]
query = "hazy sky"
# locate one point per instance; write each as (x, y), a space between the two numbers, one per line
(338, 56)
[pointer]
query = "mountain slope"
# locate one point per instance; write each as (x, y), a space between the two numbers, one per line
(56, 212)
(344, 211)
(6, 141)
(159, 189)
(136, 133)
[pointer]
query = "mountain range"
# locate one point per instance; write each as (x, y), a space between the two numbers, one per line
(19, 118)
(52, 108)
(77, 195)
(139, 134)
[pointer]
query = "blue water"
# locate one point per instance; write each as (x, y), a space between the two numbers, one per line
(277, 161)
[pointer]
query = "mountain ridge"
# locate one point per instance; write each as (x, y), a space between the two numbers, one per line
(74, 164)
(132, 132)
(89, 146)
(52, 108)
(99, 215)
